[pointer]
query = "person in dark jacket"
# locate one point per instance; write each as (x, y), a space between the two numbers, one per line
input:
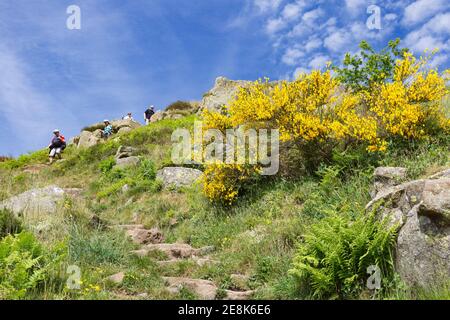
(56, 146)
(148, 114)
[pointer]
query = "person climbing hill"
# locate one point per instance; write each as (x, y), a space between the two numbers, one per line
(56, 146)
(148, 114)
(108, 131)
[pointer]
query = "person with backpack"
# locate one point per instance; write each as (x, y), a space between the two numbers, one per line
(148, 114)
(56, 146)
(108, 131)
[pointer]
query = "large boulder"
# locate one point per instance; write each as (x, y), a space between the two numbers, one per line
(88, 139)
(385, 177)
(420, 210)
(38, 201)
(128, 162)
(125, 152)
(178, 176)
(120, 124)
(222, 93)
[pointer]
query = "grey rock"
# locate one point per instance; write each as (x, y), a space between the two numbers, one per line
(204, 289)
(125, 152)
(87, 140)
(223, 92)
(385, 177)
(420, 210)
(178, 176)
(117, 278)
(38, 201)
(239, 295)
(127, 162)
(124, 130)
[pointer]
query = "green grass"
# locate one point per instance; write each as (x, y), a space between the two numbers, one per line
(258, 236)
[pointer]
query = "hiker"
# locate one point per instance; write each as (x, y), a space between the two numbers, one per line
(108, 131)
(148, 114)
(57, 145)
(129, 116)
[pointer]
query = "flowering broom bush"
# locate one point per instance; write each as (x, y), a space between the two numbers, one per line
(318, 110)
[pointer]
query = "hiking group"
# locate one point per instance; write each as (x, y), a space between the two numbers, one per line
(58, 142)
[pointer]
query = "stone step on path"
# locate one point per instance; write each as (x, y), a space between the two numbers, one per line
(152, 240)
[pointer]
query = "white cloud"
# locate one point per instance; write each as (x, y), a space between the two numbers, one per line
(267, 5)
(29, 113)
(353, 6)
(311, 17)
(313, 43)
(439, 60)
(337, 41)
(291, 56)
(390, 17)
(319, 62)
(431, 35)
(421, 10)
(275, 25)
(292, 11)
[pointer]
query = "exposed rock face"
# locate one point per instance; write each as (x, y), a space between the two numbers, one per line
(178, 176)
(204, 289)
(421, 209)
(117, 278)
(144, 236)
(92, 135)
(125, 152)
(88, 139)
(127, 162)
(158, 116)
(387, 177)
(224, 91)
(117, 125)
(38, 201)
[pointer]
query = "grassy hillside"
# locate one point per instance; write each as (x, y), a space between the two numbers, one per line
(257, 237)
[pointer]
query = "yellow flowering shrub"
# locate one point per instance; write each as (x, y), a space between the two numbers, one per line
(221, 181)
(317, 109)
(410, 106)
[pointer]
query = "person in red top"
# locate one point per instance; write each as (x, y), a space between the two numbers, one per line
(56, 146)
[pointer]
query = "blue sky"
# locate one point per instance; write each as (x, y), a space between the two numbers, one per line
(129, 54)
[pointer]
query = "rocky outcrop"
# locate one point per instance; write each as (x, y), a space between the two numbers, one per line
(89, 139)
(178, 176)
(221, 94)
(385, 177)
(117, 125)
(140, 235)
(204, 289)
(421, 211)
(92, 135)
(125, 152)
(124, 163)
(38, 201)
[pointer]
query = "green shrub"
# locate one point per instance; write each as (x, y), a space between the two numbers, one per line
(9, 224)
(179, 105)
(147, 170)
(332, 260)
(24, 264)
(113, 188)
(106, 165)
(367, 67)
